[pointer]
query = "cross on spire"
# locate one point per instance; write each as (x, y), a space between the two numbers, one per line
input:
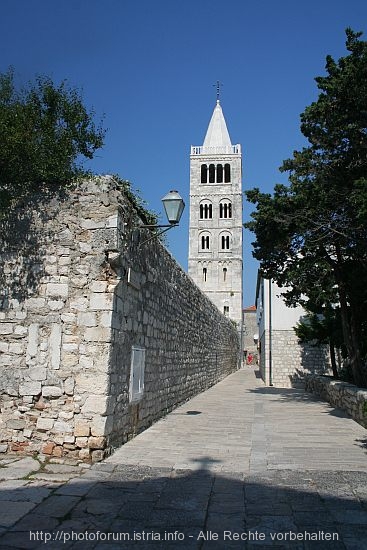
(218, 86)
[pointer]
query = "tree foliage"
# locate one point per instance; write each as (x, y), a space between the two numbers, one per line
(45, 131)
(311, 235)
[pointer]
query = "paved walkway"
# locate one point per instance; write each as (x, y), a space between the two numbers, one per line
(239, 466)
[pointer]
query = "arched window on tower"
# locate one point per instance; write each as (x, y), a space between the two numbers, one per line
(205, 241)
(204, 173)
(205, 274)
(225, 241)
(219, 173)
(211, 173)
(224, 274)
(225, 209)
(206, 210)
(227, 173)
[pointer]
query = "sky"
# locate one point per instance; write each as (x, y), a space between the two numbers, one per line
(148, 69)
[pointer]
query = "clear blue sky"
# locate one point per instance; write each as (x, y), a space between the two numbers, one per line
(149, 67)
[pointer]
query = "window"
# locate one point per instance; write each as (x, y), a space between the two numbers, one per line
(226, 311)
(204, 173)
(225, 209)
(227, 173)
(224, 274)
(211, 173)
(205, 274)
(206, 210)
(137, 368)
(205, 242)
(225, 242)
(219, 173)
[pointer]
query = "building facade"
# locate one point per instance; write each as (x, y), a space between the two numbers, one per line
(215, 233)
(284, 361)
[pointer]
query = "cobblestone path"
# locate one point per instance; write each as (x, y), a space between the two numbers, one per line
(239, 466)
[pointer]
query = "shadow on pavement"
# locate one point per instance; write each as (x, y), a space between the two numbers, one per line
(132, 507)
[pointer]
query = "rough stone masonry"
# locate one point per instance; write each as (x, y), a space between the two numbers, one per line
(101, 333)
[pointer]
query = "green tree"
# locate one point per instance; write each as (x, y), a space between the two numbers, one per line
(45, 131)
(311, 235)
(323, 329)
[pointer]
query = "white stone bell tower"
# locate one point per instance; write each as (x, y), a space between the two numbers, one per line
(215, 234)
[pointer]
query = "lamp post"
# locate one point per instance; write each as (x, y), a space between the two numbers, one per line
(174, 206)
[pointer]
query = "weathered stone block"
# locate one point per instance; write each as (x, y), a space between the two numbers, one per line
(58, 451)
(16, 348)
(30, 388)
(6, 328)
(66, 415)
(69, 360)
(92, 383)
(102, 425)
(97, 456)
(5, 359)
(55, 305)
(15, 424)
(97, 442)
(87, 318)
(54, 346)
(81, 428)
(97, 334)
(79, 304)
(106, 319)
(69, 385)
(81, 442)
(32, 340)
(95, 404)
(37, 373)
(73, 347)
(90, 223)
(44, 424)
(4, 347)
(98, 286)
(57, 289)
(20, 331)
(101, 301)
(51, 391)
(48, 448)
(62, 427)
(84, 454)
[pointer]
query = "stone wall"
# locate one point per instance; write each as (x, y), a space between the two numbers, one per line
(291, 360)
(79, 289)
(349, 398)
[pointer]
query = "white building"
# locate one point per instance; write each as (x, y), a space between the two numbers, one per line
(283, 360)
(215, 234)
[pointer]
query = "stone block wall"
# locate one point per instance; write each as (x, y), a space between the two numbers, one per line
(78, 289)
(291, 360)
(349, 398)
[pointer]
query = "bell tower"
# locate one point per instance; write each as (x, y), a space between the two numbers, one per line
(215, 233)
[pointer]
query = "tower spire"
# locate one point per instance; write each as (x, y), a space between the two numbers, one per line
(218, 85)
(217, 134)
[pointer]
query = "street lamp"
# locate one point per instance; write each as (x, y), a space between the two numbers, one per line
(174, 206)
